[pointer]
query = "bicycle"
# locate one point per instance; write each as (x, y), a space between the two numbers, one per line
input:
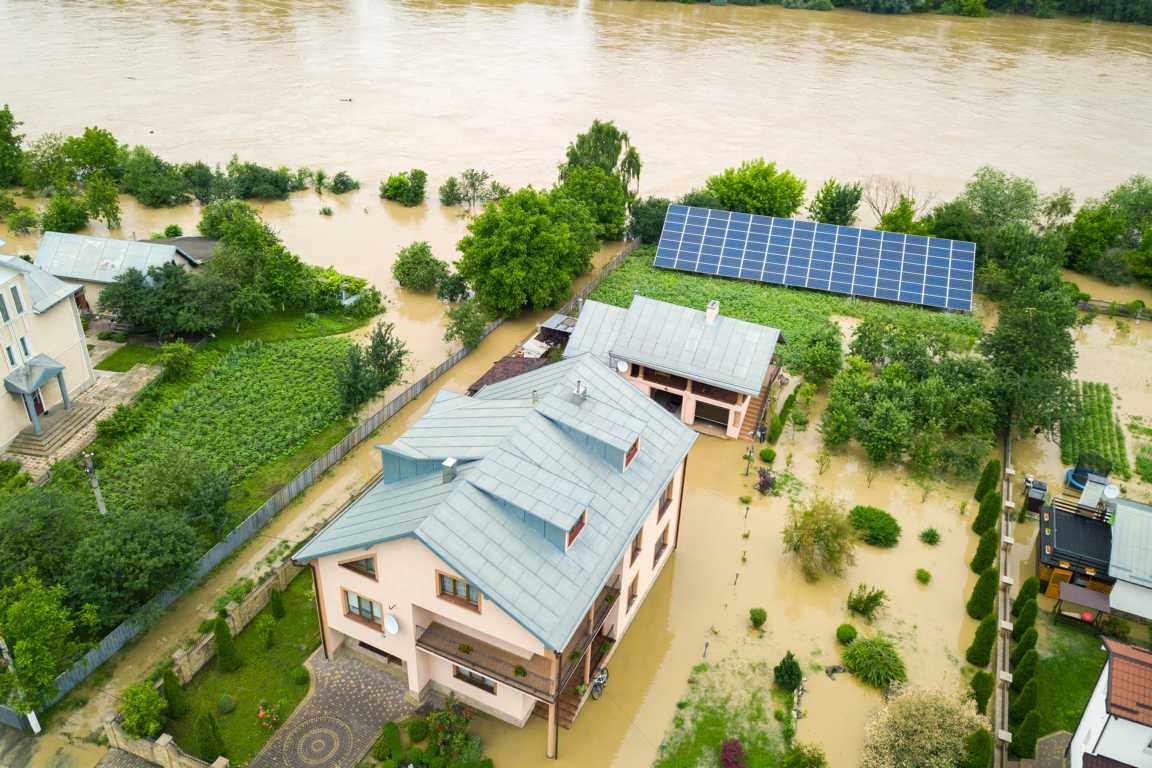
(599, 680)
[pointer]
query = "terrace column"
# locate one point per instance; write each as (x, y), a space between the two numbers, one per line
(63, 391)
(591, 642)
(553, 732)
(31, 406)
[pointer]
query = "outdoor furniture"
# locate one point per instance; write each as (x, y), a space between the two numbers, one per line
(1092, 605)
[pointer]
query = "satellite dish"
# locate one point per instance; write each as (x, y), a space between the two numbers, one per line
(1111, 492)
(622, 366)
(391, 626)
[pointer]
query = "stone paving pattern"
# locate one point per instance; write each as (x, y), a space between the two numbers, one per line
(340, 720)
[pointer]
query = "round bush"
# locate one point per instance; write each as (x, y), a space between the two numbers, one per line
(845, 633)
(226, 705)
(298, 675)
(767, 455)
(930, 536)
(417, 269)
(875, 661)
(923, 575)
(417, 730)
(876, 526)
(757, 616)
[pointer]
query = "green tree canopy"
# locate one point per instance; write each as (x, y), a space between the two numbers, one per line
(757, 187)
(921, 727)
(603, 194)
(39, 528)
(416, 269)
(524, 251)
(11, 149)
(821, 537)
(95, 151)
(606, 147)
(836, 203)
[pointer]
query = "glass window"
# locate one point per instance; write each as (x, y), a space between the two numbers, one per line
(468, 676)
(24, 346)
(11, 355)
(458, 589)
(365, 566)
(637, 545)
(16, 301)
(362, 607)
(4, 311)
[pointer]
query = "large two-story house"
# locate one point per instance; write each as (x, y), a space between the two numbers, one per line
(43, 356)
(711, 371)
(1115, 730)
(509, 541)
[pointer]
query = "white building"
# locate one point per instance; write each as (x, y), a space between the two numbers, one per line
(1115, 730)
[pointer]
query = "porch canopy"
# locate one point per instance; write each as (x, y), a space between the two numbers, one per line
(1082, 596)
(34, 374)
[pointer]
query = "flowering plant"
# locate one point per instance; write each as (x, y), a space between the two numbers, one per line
(268, 716)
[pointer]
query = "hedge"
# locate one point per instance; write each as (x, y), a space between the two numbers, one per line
(1024, 702)
(980, 652)
(1024, 737)
(1025, 621)
(1024, 671)
(983, 598)
(985, 551)
(988, 479)
(982, 684)
(978, 749)
(876, 526)
(1026, 643)
(990, 508)
(1028, 590)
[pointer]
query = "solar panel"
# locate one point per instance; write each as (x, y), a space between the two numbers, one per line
(912, 269)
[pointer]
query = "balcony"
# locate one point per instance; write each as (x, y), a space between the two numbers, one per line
(719, 394)
(489, 660)
(665, 379)
(578, 646)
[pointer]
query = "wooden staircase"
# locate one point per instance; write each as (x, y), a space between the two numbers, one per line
(59, 427)
(754, 413)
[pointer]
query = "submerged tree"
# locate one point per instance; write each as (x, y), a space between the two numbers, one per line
(821, 537)
(606, 147)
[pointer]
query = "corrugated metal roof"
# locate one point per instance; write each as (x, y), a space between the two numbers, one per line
(524, 457)
(596, 329)
(100, 259)
(1132, 543)
(44, 290)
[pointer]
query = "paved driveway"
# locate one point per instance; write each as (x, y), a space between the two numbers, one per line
(337, 725)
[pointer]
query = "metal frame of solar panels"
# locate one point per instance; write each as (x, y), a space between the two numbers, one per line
(912, 269)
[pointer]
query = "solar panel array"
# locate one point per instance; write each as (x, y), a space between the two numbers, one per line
(914, 269)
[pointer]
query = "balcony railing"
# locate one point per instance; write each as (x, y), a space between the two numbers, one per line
(582, 639)
(715, 393)
(532, 676)
(665, 379)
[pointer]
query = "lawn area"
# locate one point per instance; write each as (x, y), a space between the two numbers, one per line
(1070, 663)
(283, 326)
(794, 311)
(127, 356)
(264, 677)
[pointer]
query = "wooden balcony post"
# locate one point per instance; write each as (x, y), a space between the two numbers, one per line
(553, 734)
(588, 652)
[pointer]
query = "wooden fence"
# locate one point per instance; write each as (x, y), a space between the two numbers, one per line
(242, 533)
(1001, 664)
(1133, 309)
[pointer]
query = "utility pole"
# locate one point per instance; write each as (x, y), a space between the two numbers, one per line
(90, 470)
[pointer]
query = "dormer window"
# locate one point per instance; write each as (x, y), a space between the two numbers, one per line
(635, 449)
(574, 531)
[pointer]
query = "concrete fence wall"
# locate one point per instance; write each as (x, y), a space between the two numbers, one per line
(163, 751)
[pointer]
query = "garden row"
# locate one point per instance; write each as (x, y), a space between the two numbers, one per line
(1090, 429)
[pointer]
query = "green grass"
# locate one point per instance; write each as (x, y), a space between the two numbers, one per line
(284, 326)
(127, 356)
(264, 677)
(1070, 663)
(794, 311)
(1090, 426)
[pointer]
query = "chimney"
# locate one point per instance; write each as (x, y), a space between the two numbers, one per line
(580, 393)
(535, 398)
(449, 470)
(712, 312)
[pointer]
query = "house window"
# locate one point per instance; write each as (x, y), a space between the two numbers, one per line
(637, 546)
(4, 311)
(362, 609)
(16, 300)
(635, 371)
(665, 502)
(574, 531)
(472, 678)
(633, 591)
(25, 347)
(11, 355)
(661, 545)
(458, 591)
(632, 453)
(365, 566)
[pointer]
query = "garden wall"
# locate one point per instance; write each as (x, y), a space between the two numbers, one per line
(162, 752)
(187, 662)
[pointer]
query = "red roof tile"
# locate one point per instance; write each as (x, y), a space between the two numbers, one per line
(1129, 682)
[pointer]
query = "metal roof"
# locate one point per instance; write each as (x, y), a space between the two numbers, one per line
(44, 290)
(543, 458)
(100, 259)
(34, 374)
(729, 353)
(192, 247)
(1132, 543)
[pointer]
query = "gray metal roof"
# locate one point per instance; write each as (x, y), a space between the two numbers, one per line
(729, 353)
(1131, 558)
(44, 290)
(34, 374)
(533, 467)
(192, 247)
(100, 259)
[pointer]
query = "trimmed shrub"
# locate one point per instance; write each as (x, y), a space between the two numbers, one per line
(757, 616)
(1025, 621)
(732, 754)
(787, 673)
(867, 601)
(923, 575)
(417, 730)
(767, 455)
(983, 598)
(227, 657)
(1024, 737)
(142, 710)
(845, 633)
(174, 693)
(1024, 702)
(1026, 643)
(1024, 671)
(875, 661)
(299, 675)
(982, 684)
(226, 704)
(989, 514)
(876, 526)
(930, 536)
(985, 551)
(276, 604)
(207, 737)
(1028, 591)
(988, 479)
(979, 653)
(978, 749)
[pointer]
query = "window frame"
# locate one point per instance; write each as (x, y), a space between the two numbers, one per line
(631, 455)
(26, 347)
(474, 679)
(633, 592)
(356, 615)
(576, 528)
(665, 502)
(637, 547)
(374, 574)
(452, 597)
(661, 546)
(10, 355)
(5, 317)
(17, 299)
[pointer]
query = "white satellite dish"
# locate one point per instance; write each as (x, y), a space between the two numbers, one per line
(622, 366)
(391, 626)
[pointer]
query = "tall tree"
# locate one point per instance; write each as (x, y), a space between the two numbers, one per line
(11, 148)
(603, 194)
(606, 147)
(836, 203)
(757, 187)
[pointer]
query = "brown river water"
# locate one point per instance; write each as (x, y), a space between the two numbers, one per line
(378, 86)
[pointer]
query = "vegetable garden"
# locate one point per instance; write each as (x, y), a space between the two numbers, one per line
(1091, 427)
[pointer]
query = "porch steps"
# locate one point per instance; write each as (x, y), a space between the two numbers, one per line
(58, 429)
(569, 708)
(754, 413)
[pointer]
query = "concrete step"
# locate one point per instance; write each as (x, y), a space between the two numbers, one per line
(62, 427)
